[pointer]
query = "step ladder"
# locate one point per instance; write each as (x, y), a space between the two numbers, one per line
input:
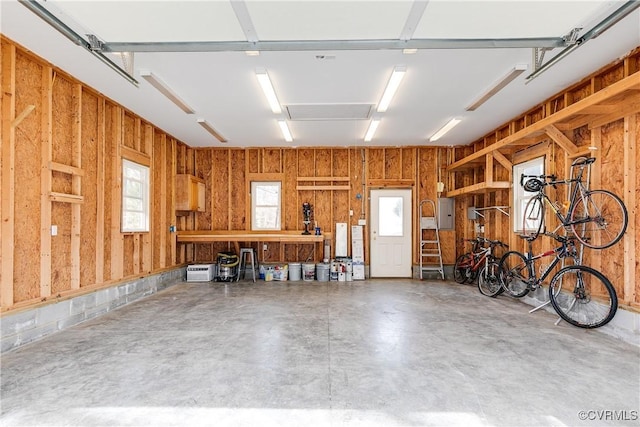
(430, 250)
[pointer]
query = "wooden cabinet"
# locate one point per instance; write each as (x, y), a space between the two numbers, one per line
(189, 193)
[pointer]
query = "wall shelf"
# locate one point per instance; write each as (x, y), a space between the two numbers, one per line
(329, 183)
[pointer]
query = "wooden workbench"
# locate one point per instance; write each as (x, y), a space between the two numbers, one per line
(235, 237)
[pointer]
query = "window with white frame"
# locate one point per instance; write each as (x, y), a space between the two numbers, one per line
(265, 205)
(520, 196)
(135, 197)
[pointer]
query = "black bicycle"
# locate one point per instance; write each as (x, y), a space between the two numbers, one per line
(598, 218)
(581, 295)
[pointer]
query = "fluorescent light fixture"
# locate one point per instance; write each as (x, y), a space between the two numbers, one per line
(162, 87)
(205, 124)
(409, 51)
(444, 129)
(252, 52)
(392, 87)
(373, 125)
(267, 88)
(498, 86)
(286, 133)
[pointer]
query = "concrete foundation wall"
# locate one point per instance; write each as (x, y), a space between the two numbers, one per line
(27, 326)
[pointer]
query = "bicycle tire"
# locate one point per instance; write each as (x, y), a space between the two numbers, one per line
(460, 268)
(570, 293)
(533, 217)
(608, 219)
(489, 280)
(514, 274)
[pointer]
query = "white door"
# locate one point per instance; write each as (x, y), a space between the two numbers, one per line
(391, 233)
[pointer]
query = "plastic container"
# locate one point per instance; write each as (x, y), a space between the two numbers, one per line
(295, 271)
(308, 272)
(322, 272)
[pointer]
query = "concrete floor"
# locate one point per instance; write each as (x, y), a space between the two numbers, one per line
(373, 353)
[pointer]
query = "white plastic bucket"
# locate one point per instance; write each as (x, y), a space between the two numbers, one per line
(308, 272)
(295, 271)
(322, 272)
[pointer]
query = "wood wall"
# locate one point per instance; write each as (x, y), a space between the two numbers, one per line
(614, 134)
(228, 173)
(62, 150)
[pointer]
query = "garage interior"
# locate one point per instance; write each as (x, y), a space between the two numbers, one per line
(99, 323)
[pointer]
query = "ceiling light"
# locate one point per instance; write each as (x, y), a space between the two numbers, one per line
(267, 88)
(496, 87)
(373, 125)
(252, 52)
(162, 87)
(205, 124)
(392, 87)
(444, 129)
(409, 51)
(286, 133)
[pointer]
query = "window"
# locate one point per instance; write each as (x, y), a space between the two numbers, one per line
(520, 196)
(265, 205)
(135, 197)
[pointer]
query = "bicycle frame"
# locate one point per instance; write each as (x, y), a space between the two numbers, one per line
(560, 252)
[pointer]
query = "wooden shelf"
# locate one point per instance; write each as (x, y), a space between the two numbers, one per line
(480, 188)
(603, 101)
(328, 183)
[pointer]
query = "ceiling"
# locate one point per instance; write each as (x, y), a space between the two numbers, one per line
(324, 56)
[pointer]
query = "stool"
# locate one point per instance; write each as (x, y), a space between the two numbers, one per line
(243, 264)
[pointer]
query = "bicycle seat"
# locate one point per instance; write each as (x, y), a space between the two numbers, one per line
(583, 161)
(527, 237)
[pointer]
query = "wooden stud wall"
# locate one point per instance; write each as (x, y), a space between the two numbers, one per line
(62, 145)
(228, 173)
(614, 133)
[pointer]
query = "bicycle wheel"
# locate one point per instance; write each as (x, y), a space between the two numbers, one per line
(533, 218)
(583, 296)
(514, 274)
(489, 280)
(599, 219)
(461, 268)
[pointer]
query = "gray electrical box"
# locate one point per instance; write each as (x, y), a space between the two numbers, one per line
(472, 213)
(446, 210)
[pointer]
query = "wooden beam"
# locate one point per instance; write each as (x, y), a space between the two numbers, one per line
(631, 82)
(7, 189)
(117, 238)
(65, 198)
(46, 138)
(76, 187)
(488, 169)
(99, 189)
(559, 138)
(147, 238)
(135, 156)
(630, 145)
(323, 178)
(623, 111)
(163, 202)
(503, 161)
(172, 207)
(325, 187)
(71, 170)
(22, 115)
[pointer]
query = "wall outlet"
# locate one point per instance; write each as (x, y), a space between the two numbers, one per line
(264, 247)
(350, 212)
(54, 230)
(362, 221)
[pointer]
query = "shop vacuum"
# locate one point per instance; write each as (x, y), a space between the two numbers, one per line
(227, 266)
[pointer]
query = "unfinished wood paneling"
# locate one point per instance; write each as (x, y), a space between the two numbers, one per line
(237, 194)
(61, 166)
